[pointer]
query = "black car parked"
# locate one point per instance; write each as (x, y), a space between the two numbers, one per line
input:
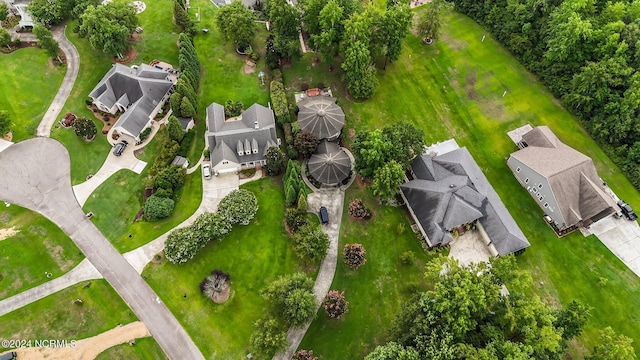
(627, 210)
(119, 148)
(324, 215)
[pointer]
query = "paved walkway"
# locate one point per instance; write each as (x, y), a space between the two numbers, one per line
(82, 272)
(333, 200)
(73, 64)
(22, 166)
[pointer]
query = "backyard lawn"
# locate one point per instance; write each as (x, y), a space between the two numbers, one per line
(116, 202)
(57, 317)
(29, 84)
(39, 246)
(253, 255)
(86, 157)
(376, 291)
(145, 348)
(159, 36)
(455, 89)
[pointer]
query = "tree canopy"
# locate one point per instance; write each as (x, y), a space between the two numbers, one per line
(108, 26)
(285, 20)
(236, 23)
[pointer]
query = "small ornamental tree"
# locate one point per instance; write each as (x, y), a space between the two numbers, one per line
(304, 355)
(175, 101)
(358, 211)
(311, 243)
(215, 285)
(269, 337)
(354, 255)
(85, 128)
(239, 207)
(181, 245)
(276, 161)
(335, 305)
(156, 208)
(306, 143)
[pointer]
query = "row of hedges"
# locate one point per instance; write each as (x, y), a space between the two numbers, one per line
(239, 207)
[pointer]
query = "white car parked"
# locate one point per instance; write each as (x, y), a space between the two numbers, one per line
(206, 171)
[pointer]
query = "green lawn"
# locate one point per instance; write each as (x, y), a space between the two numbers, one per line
(86, 157)
(39, 246)
(57, 317)
(29, 84)
(145, 348)
(222, 75)
(376, 291)
(253, 255)
(116, 202)
(454, 89)
(159, 36)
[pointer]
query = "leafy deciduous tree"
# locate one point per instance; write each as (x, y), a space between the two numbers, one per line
(276, 161)
(286, 24)
(46, 40)
(387, 179)
(311, 243)
(236, 23)
(156, 208)
(306, 143)
(108, 26)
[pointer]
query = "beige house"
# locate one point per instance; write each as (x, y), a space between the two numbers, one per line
(562, 181)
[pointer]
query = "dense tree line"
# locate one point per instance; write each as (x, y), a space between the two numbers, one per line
(184, 100)
(588, 53)
(467, 314)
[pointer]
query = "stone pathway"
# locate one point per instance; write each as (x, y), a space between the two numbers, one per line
(73, 64)
(82, 272)
(333, 200)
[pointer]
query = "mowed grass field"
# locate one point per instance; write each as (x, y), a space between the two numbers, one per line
(58, 317)
(454, 89)
(116, 202)
(35, 246)
(29, 83)
(144, 348)
(378, 290)
(253, 255)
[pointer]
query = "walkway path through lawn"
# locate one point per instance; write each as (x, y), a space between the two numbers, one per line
(88, 348)
(73, 64)
(22, 166)
(82, 272)
(333, 200)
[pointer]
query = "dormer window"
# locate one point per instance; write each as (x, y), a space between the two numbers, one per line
(240, 148)
(518, 169)
(540, 186)
(254, 146)
(247, 147)
(526, 181)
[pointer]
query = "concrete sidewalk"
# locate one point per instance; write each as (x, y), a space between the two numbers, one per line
(82, 272)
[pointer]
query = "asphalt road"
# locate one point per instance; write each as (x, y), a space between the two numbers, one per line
(35, 174)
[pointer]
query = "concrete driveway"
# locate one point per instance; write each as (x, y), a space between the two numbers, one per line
(110, 166)
(622, 237)
(35, 174)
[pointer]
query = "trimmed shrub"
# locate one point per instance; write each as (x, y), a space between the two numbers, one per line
(358, 211)
(239, 207)
(156, 208)
(335, 305)
(311, 243)
(295, 219)
(354, 255)
(145, 134)
(407, 257)
(181, 245)
(279, 102)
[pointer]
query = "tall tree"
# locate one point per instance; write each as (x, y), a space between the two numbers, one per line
(395, 25)
(4, 12)
(360, 74)
(387, 179)
(46, 40)
(236, 23)
(369, 150)
(613, 347)
(428, 22)
(331, 30)
(50, 12)
(285, 20)
(108, 26)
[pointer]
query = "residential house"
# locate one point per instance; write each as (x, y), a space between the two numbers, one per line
(139, 92)
(448, 192)
(563, 181)
(241, 142)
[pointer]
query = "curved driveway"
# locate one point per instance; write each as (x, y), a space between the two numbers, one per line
(35, 174)
(73, 64)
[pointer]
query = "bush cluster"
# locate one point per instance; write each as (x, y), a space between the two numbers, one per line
(186, 142)
(294, 187)
(354, 255)
(279, 102)
(182, 244)
(358, 211)
(304, 355)
(335, 304)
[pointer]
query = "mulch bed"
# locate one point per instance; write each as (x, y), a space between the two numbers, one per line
(14, 47)
(129, 56)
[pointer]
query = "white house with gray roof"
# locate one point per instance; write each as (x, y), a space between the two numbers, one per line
(241, 142)
(449, 191)
(562, 181)
(139, 92)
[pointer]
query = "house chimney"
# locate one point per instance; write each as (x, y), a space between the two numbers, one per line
(255, 125)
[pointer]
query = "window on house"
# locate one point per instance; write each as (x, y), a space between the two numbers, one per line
(518, 169)
(225, 162)
(540, 198)
(539, 186)
(546, 205)
(534, 190)
(526, 181)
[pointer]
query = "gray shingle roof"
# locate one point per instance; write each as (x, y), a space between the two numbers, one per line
(571, 175)
(330, 164)
(450, 190)
(321, 116)
(228, 138)
(140, 89)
